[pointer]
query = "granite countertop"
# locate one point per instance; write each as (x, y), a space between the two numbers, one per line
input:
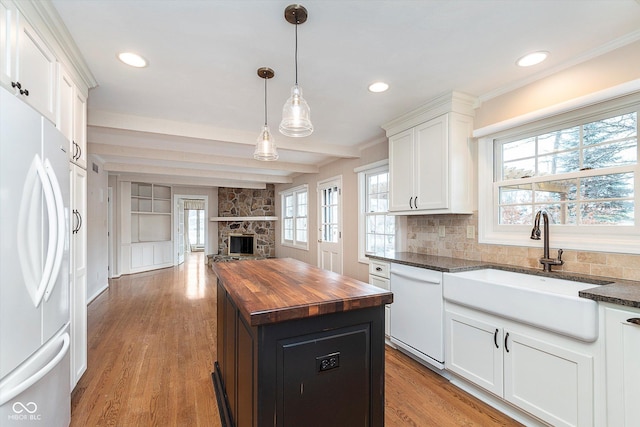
(615, 291)
(278, 289)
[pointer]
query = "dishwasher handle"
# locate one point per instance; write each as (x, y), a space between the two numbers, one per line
(414, 278)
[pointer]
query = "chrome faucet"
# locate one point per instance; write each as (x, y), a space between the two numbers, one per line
(535, 235)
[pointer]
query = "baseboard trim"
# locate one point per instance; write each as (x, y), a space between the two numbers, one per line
(97, 293)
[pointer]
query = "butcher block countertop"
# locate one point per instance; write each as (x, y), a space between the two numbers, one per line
(279, 289)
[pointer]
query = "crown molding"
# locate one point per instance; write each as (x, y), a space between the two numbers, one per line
(46, 19)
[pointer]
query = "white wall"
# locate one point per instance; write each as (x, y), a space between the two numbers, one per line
(351, 266)
(97, 228)
(611, 69)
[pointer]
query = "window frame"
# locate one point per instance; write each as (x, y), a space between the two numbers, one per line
(599, 238)
(200, 218)
(293, 193)
(363, 172)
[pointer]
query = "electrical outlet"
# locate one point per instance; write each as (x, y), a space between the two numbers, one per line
(327, 362)
(441, 231)
(471, 232)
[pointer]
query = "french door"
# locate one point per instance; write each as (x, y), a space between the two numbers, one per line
(330, 225)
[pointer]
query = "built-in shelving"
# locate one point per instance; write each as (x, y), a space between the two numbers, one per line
(150, 212)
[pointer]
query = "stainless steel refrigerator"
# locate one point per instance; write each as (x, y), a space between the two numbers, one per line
(34, 268)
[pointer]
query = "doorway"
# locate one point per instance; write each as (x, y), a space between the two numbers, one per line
(330, 221)
(191, 228)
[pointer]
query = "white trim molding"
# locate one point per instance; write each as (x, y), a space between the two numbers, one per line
(608, 94)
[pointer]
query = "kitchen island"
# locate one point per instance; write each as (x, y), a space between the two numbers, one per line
(298, 346)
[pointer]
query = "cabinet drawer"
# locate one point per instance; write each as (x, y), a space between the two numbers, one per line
(379, 268)
(380, 282)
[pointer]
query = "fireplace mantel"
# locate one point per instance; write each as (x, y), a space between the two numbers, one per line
(242, 218)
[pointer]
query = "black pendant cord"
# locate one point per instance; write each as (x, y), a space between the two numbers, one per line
(296, 60)
(265, 101)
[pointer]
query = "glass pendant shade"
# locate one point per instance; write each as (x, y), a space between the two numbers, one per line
(296, 115)
(265, 146)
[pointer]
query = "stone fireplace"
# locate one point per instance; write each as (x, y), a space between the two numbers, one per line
(243, 202)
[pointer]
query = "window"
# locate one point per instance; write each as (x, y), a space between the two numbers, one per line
(196, 227)
(295, 203)
(378, 229)
(581, 167)
(581, 175)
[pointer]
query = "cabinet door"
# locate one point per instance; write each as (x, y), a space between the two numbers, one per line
(401, 176)
(8, 13)
(548, 381)
(326, 378)
(431, 157)
(79, 129)
(79, 273)
(474, 351)
(36, 71)
(623, 366)
(64, 122)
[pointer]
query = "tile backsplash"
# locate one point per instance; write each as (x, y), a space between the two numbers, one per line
(423, 237)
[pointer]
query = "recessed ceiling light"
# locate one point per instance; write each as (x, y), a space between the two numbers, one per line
(378, 87)
(532, 59)
(132, 59)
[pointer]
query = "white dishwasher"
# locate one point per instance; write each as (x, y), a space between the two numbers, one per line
(417, 313)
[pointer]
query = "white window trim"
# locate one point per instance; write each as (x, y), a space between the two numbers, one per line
(587, 238)
(362, 202)
(293, 191)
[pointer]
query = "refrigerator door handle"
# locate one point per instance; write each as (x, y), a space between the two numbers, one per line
(59, 224)
(21, 379)
(36, 291)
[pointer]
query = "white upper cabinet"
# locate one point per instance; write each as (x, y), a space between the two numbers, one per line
(401, 168)
(66, 88)
(72, 117)
(79, 141)
(430, 162)
(8, 30)
(34, 45)
(36, 71)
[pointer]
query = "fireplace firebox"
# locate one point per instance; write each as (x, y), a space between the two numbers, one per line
(242, 244)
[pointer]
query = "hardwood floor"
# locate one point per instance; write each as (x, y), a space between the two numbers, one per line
(151, 351)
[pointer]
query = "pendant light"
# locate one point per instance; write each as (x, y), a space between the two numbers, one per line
(296, 118)
(266, 144)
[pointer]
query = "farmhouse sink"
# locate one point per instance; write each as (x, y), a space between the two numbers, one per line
(544, 302)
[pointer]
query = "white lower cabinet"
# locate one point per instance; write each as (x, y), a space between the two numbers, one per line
(79, 273)
(548, 376)
(151, 255)
(622, 364)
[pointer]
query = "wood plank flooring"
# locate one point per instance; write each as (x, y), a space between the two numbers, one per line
(151, 351)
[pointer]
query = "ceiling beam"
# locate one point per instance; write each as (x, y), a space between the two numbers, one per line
(196, 158)
(188, 181)
(206, 134)
(200, 173)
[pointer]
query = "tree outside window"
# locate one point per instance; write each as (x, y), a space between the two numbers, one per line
(581, 175)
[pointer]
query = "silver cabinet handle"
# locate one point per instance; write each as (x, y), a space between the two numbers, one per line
(634, 320)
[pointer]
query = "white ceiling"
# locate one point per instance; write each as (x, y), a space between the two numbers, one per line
(193, 115)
